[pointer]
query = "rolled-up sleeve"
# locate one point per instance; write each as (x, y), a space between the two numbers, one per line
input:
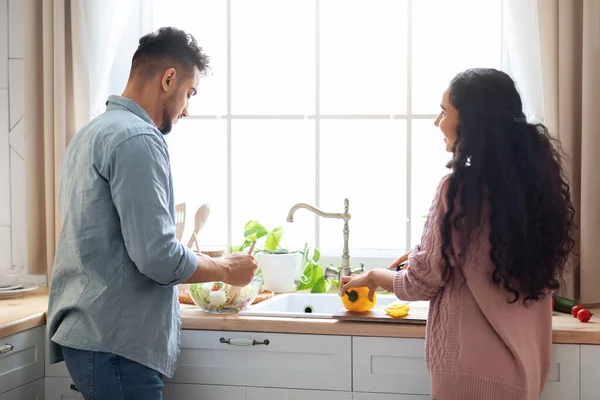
(140, 188)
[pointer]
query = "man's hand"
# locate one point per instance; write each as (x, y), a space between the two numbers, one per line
(239, 269)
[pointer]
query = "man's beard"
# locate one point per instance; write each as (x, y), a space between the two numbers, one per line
(167, 123)
(167, 120)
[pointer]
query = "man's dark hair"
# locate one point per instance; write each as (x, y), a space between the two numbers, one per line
(168, 47)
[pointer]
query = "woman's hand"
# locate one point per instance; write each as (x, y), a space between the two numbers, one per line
(356, 281)
(372, 279)
(399, 261)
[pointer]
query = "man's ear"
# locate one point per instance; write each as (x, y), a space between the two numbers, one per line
(168, 79)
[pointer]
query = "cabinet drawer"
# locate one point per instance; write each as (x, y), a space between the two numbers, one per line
(180, 391)
(590, 372)
(60, 389)
(381, 396)
(288, 361)
(291, 394)
(23, 359)
(32, 391)
(563, 378)
(389, 365)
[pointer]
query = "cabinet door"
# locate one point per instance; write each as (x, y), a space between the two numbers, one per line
(563, 378)
(61, 389)
(21, 359)
(390, 365)
(590, 372)
(179, 391)
(281, 360)
(382, 396)
(254, 393)
(32, 391)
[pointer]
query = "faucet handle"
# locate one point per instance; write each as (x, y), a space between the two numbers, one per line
(359, 270)
(331, 272)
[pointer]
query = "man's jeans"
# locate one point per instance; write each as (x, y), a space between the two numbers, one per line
(105, 376)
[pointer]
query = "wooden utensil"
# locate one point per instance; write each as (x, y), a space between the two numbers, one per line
(199, 220)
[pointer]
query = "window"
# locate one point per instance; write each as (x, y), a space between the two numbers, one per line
(319, 100)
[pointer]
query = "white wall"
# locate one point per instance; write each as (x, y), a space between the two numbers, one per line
(12, 138)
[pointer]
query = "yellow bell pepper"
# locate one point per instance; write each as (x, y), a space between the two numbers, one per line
(357, 300)
(397, 310)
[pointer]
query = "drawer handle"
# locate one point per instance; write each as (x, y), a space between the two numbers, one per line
(74, 388)
(5, 348)
(244, 342)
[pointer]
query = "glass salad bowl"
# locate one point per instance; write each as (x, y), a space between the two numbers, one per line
(222, 298)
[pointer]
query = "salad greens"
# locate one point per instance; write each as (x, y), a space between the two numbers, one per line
(216, 297)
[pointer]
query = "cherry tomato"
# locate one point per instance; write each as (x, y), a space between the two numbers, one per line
(584, 315)
(575, 310)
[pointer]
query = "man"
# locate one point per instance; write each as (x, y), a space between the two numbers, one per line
(113, 314)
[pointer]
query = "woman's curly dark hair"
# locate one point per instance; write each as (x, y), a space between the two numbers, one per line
(516, 168)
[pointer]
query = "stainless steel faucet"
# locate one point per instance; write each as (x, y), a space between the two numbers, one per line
(331, 271)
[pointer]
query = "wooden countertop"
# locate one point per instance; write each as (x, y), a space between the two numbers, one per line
(566, 329)
(20, 314)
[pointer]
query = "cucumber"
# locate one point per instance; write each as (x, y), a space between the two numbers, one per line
(562, 304)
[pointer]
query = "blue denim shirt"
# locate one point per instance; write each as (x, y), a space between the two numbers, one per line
(118, 261)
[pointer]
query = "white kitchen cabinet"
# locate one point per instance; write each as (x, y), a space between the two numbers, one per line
(387, 396)
(318, 362)
(590, 372)
(564, 378)
(390, 365)
(21, 359)
(254, 393)
(180, 391)
(61, 389)
(32, 391)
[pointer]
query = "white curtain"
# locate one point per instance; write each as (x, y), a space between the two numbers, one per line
(105, 41)
(521, 54)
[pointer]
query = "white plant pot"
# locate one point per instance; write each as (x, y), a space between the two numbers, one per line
(279, 271)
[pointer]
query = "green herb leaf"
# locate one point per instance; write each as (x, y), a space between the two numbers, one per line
(273, 239)
(320, 286)
(316, 255)
(254, 231)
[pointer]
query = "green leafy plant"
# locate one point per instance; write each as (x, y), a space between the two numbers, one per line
(313, 277)
(254, 231)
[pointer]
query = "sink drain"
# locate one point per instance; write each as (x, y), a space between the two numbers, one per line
(308, 309)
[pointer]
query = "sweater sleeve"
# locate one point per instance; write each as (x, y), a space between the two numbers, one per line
(423, 278)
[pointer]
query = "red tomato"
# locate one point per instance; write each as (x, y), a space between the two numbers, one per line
(575, 310)
(584, 315)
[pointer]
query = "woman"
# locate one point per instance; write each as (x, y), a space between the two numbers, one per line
(496, 242)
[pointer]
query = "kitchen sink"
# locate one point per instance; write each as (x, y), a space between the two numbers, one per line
(304, 305)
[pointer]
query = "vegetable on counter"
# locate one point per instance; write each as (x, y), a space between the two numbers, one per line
(357, 300)
(568, 306)
(563, 305)
(397, 310)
